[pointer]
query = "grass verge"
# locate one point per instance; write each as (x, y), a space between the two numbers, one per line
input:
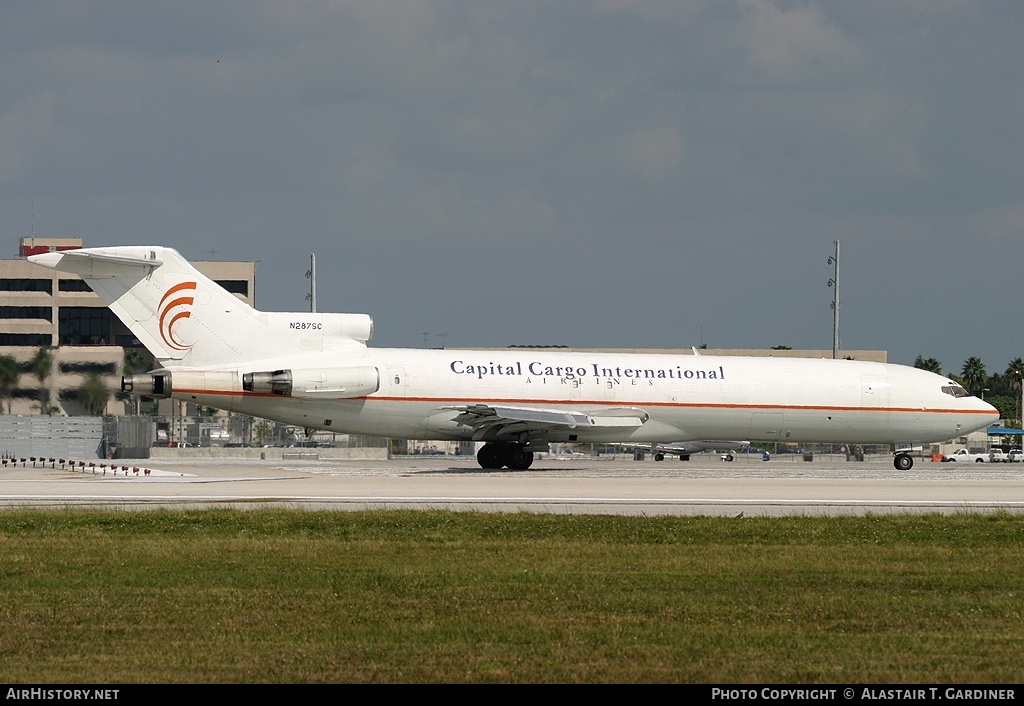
(226, 596)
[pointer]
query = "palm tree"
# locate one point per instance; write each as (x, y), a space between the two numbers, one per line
(10, 371)
(93, 395)
(1014, 374)
(929, 364)
(134, 361)
(973, 374)
(41, 366)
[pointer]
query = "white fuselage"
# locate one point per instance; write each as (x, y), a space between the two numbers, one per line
(315, 370)
(684, 397)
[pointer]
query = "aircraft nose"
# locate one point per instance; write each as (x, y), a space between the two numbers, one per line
(993, 412)
(989, 413)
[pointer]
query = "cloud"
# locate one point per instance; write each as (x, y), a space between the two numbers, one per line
(795, 45)
(652, 154)
(616, 173)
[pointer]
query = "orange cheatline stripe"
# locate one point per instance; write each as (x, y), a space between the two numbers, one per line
(601, 403)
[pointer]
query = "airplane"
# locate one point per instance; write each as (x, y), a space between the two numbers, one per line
(683, 449)
(315, 370)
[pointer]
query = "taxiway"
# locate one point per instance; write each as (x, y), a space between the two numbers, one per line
(703, 486)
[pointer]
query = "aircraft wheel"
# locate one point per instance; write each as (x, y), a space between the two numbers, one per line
(489, 456)
(659, 457)
(519, 459)
(903, 462)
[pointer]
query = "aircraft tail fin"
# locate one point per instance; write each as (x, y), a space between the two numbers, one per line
(186, 319)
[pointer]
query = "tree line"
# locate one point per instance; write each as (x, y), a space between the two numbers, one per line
(1001, 390)
(92, 394)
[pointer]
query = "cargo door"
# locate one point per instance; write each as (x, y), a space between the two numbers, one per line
(766, 426)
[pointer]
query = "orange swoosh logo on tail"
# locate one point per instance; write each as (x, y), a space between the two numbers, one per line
(175, 305)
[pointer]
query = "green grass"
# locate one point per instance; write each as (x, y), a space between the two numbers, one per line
(279, 596)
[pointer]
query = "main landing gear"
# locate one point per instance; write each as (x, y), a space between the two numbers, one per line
(903, 462)
(499, 454)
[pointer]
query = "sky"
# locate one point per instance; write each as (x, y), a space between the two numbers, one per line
(613, 174)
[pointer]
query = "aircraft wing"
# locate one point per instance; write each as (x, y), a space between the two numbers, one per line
(487, 418)
(684, 449)
(689, 447)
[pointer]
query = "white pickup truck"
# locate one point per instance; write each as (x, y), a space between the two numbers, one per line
(965, 456)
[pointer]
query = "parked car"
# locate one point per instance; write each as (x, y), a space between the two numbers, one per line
(965, 456)
(998, 456)
(1015, 456)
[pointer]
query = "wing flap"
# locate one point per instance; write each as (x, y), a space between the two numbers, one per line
(484, 416)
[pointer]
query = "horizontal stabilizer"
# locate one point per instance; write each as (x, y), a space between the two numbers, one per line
(51, 259)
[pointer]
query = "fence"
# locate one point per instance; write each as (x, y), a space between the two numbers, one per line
(52, 437)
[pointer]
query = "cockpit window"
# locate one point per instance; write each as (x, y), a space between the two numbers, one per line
(955, 391)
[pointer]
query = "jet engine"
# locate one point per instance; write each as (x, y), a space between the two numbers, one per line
(309, 383)
(156, 384)
(318, 383)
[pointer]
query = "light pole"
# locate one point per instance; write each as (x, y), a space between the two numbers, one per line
(311, 276)
(834, 283)
(1020, 397)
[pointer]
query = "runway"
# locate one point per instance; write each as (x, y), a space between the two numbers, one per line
(622, 486)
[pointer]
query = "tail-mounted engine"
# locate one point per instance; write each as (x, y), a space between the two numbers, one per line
(355, 381)
(309, 383)
(156, 384)
(278, 382)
